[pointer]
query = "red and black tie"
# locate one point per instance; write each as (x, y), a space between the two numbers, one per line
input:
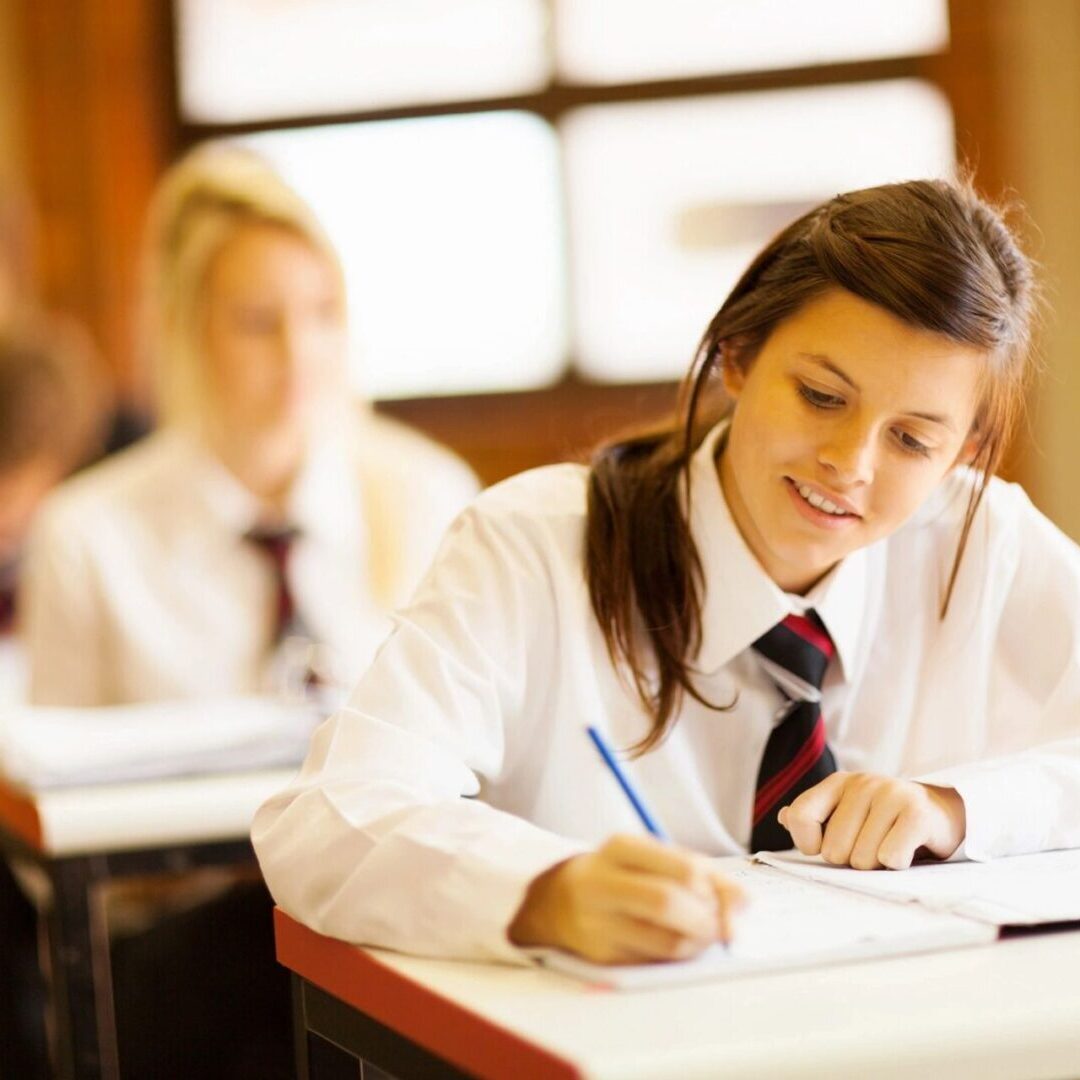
(276, 544)
(796, 757)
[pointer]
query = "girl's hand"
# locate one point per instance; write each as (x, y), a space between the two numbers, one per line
(631, 901)
(873, 822)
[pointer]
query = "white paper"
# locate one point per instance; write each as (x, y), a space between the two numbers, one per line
(789, 922)
(1022, 890)
(48, 747)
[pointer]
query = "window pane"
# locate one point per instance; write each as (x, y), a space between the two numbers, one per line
(451, 231)
(670, 200)
(663, 39)
(245, 60)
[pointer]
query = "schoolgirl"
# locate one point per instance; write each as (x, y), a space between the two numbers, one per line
(816, 621)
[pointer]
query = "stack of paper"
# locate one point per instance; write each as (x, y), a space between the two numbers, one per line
(801, 912)
(49, 747)
(1023, 890)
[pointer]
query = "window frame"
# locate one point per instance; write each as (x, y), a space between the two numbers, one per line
(502, 433)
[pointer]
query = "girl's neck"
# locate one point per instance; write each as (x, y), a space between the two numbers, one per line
(266, 463)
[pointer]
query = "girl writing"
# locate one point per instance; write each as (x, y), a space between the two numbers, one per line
(817, 621)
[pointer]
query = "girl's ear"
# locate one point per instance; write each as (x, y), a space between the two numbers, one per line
(732, 374)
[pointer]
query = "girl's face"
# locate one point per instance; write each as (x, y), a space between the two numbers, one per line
(844, 423)
(274, 332)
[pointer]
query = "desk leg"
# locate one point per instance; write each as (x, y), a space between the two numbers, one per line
(342, 1043)
(301, 1058)
(81, 974)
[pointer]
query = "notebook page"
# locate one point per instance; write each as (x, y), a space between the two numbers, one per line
(791, 922)
(1022, 890)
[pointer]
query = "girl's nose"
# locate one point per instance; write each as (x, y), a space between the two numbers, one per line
(849, 456)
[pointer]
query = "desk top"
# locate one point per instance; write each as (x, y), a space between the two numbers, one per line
(1008, 1009)
(121, 817)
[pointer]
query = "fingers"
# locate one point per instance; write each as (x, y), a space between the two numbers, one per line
(635, 883)
(662, 902)
(636, 941)
(730, 898)
(648, 854)
(806, 815)
(869, 822)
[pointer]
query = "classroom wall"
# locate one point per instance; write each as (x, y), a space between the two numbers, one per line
(12, 148)
(1038, 47)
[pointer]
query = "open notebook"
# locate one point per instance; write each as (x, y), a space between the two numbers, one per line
(802, 913)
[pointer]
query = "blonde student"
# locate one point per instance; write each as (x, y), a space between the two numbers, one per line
(815, 621)
(256, 542)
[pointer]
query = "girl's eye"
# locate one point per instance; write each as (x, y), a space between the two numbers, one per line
(819, 399)
(911, 444)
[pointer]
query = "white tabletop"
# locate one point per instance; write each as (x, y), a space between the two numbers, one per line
(1008, 1009)
(152, 813)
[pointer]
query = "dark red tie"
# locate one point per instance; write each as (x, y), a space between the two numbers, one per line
(796, 757)
(7, 611)
(276, 544)
(7, 598)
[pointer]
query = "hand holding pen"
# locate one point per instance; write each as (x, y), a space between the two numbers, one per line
(633, 900)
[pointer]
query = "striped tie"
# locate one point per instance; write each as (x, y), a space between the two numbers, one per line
(796, 757)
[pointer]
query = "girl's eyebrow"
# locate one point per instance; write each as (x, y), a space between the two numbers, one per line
(825, 362)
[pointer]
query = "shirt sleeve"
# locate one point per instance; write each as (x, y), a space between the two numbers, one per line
(380, 839)
(61, 615)
(1024, 796)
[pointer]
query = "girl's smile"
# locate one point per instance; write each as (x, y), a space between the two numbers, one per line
(845, 421)
(824, 508)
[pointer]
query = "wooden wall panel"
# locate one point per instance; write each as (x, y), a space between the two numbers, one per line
(99, 124)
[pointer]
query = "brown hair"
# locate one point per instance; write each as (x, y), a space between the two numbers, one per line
(931, 252)
(51, 402)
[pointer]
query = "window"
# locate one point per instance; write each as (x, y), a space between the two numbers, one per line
(670, 200)
(527, 191)
(451, 232)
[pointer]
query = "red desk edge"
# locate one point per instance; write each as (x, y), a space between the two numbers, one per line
(19, 815)
(428, 1019)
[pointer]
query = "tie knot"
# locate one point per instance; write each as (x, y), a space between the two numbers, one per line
(276, 542)
(801, 645)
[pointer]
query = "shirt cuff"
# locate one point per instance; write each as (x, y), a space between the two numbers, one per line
(493, 880)
(1006, 808)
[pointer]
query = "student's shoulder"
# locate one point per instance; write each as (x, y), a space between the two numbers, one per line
(143, 473)
(554, 493)
(542, 509)
(393, 449)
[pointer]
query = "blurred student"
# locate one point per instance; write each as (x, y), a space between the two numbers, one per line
(254, 544)
(258, 540)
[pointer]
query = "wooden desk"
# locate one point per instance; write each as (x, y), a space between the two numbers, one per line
(83, 838)
(1010, 1009)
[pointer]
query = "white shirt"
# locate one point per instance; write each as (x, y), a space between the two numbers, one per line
(138, 585)
(492, 672)
(12, 671)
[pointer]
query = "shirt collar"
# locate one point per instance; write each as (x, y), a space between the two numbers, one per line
(741, 602)
(324, 501)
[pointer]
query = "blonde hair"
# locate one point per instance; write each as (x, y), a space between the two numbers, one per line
(200, 204)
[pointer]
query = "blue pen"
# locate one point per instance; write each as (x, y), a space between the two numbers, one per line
(643, 812)
(636, 802)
